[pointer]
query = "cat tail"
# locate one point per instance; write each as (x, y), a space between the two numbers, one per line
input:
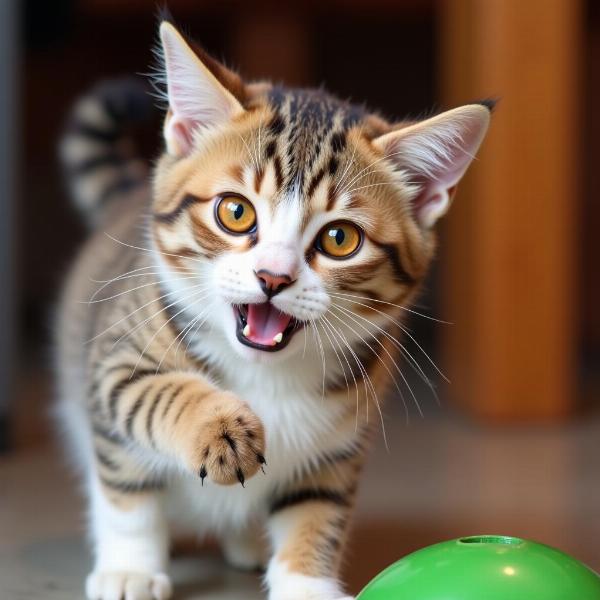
(97, 150)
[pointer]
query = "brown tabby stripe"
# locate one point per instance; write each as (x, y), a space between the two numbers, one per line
(361, 273)
(309, 495)
(336, 456)
(317, 178)
(106, 461)
(258, 177)
(207, 239)
(278, 172)
(143, 352)
(133, 487)
(363, 293)
(133, 411)
(107, 435)
(356, 202)
(150, 417)
(391, 251)
(171, 400)
(121, 385)
(187, 201)
(237, 173)
(331, 197)
(181, 410)
(174, 257)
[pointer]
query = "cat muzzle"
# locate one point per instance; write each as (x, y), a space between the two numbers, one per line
(264, 327)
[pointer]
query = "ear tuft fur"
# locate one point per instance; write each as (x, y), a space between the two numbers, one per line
(489, 103)
(434, 154)
(196, 91)
(163, 13)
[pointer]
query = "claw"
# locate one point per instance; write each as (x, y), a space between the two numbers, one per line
(261, 459)
(203, 473)
(240, 476)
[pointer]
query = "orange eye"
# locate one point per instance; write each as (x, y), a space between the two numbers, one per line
(235, 214)
(340, 239)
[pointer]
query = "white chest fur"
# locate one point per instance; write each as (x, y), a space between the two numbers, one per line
(300, 426)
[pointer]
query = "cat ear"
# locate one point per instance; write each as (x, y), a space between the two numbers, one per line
(196, 91)
(434, 155)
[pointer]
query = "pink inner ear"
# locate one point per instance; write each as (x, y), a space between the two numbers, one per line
(437, 192)
(438, 184)
(182, 131)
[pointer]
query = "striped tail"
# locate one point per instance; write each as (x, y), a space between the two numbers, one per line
(99, 157)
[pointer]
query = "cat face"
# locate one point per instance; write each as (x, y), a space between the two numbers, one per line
(296, 210)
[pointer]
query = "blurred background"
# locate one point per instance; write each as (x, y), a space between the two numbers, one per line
(512, 445)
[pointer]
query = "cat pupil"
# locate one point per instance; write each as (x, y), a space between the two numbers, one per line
(339, 236)
(238, 211)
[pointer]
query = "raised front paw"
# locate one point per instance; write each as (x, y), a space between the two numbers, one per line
(115, 585)
(230, 442)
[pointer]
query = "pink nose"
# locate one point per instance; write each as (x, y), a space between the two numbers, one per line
(272, 283)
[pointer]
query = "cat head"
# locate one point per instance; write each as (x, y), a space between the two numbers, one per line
(281, 210)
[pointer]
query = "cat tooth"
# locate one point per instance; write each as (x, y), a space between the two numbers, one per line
(277, 339)
(246, 330)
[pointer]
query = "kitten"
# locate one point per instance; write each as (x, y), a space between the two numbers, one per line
(220, 376)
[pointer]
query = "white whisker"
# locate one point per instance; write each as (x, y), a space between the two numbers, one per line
(163, 326)
(350, 315)
(132, 273)
(321, 352)
(139, 287)
(338, 358)
(328, 324)
(181, 335)
(369, 387)
(171, 293)
(149, 250)
(349, 163)
(410, 310)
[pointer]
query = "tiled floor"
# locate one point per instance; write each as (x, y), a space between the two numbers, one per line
(442, 478)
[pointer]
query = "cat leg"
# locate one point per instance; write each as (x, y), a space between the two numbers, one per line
(182, 418)
(130, 539)
(308, 527)
(245, 548)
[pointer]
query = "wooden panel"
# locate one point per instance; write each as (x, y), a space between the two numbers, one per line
(272, 45)
(510, 268)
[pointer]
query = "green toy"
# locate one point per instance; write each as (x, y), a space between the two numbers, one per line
(485, 567)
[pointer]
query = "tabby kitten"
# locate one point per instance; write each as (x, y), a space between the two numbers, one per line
(223, 376)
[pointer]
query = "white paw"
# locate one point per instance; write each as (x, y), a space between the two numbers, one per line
(308, 595)
(287, 585)
(122, 585)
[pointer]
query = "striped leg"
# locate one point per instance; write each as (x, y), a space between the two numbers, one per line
(308, 527)
(184, 419)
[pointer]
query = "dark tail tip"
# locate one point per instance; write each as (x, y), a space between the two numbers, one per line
(127, 100)
(163, 13)
(489, 103)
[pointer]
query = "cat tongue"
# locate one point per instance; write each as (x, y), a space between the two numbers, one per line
(265, 322)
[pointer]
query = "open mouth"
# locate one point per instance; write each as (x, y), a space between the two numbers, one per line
(264, 327)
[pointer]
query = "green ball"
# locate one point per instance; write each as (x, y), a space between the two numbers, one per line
(485, 567)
